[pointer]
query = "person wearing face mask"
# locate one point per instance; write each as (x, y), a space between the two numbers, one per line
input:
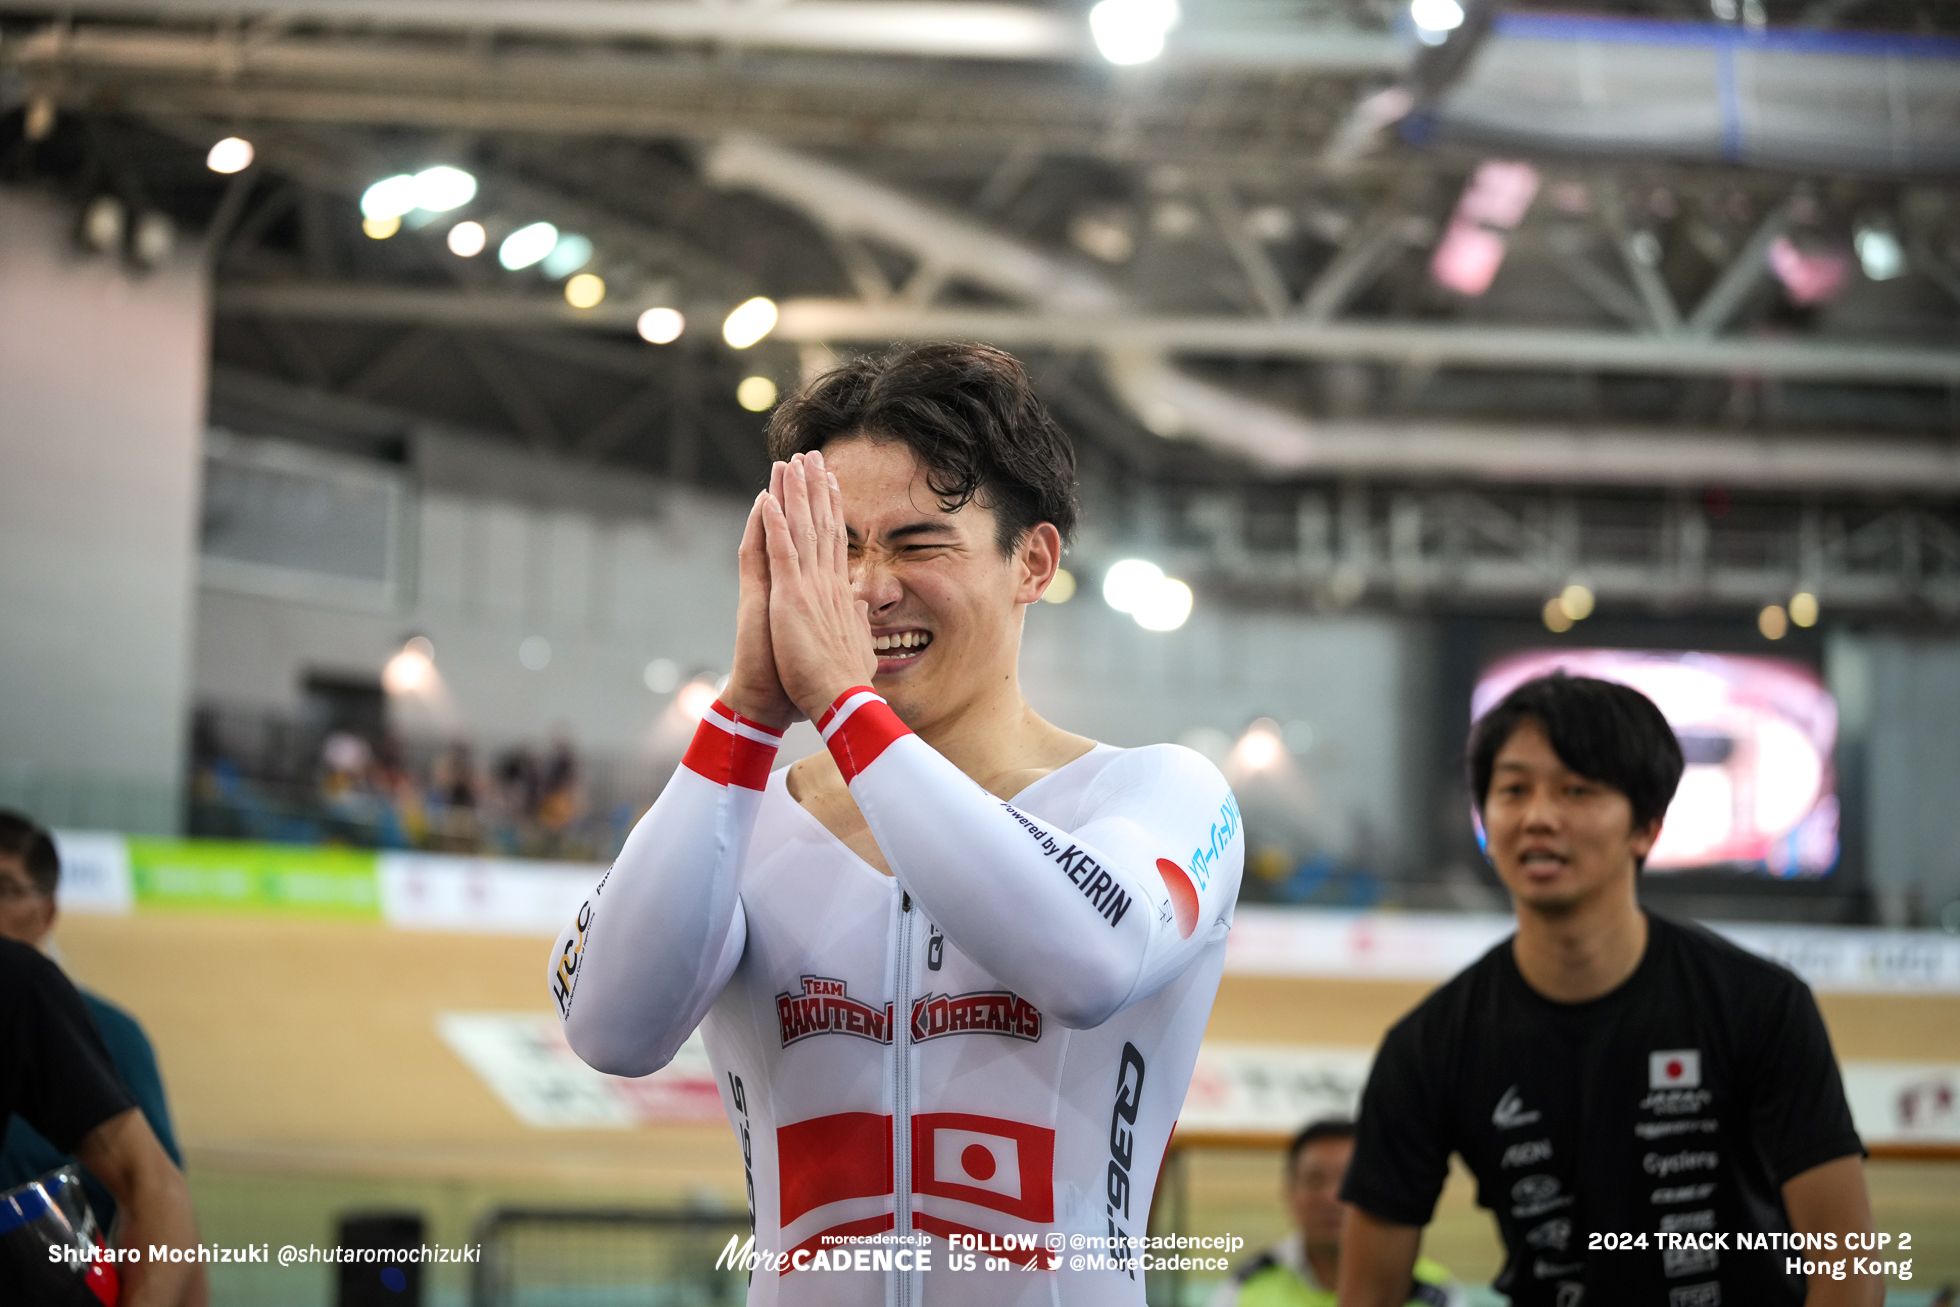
(952, 971)
(1634, 1095)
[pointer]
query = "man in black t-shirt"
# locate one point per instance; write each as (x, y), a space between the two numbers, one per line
(55, 1072)
(1638, 1098)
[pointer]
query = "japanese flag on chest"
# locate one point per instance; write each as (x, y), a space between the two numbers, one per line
(1005, 1165)
(1675, 1068)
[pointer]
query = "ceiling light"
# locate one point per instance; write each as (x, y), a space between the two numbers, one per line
(527, 245)
(442, 188)
(1128, 583)
(233, 154)
(1435, 19)
(571, 253)
(1132, 31)
(750, 322)
(1879, 253)
(1803, 608)
(412, 668)
(1773, 622)
(102, 223)
(390, 197)
(1140, 588)
(1061, 588)
(694, 700)
(1166, 607)
(467, 239)
(381, 229)
(1557, 620)
(153, 239)
(661, 675)
(1260, 747)
(661, 326)
(534, 653)
(585, 290)
(1577, 601)
(756, 394)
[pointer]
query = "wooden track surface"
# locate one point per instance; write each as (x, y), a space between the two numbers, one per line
(299, 1045)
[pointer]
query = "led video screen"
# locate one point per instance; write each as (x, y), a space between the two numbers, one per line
(1759, 792)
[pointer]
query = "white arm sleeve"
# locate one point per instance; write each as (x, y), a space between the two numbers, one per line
(649, 951)
(1081, 923)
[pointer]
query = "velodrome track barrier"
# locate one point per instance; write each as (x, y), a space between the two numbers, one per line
(106, 872)
(607, 1257)
(1904, 1109)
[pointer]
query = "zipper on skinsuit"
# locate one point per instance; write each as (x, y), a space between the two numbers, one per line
(902, 1095)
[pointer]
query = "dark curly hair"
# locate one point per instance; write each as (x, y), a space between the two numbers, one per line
(967, 412)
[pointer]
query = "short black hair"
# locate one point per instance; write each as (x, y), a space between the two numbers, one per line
(1327, 1127)
(968, 413)
(24, 838)
(1605, 731)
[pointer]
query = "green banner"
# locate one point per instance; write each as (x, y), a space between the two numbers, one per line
(225, 874)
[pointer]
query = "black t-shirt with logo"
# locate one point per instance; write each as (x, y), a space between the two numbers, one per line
(1680, 1102)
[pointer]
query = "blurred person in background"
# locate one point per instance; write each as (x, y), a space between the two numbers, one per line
(78, 1082)
(1605, 1071)
(1302, 1269)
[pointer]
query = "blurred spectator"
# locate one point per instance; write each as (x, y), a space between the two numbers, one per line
(258, 776)
(75, 1061)
(452, 801)
(1302, 1269)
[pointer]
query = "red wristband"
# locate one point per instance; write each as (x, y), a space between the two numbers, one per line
(730, 749)
(859, 726)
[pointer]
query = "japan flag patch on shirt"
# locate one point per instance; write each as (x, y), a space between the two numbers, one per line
(1678, 1068)
(1005, 1165)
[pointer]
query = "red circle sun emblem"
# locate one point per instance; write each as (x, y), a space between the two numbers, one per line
(978, 1162)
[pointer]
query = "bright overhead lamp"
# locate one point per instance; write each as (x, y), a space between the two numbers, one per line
(585, 291)
(381, 229)
(1126, 584)
(233, 154)
(661, 326)
(756, 394)
(1132, 31)
(1803, 608)
(750, 322)
(411, 669)
(1166, 607)
(1140, 588)
(527, 245)
(1435, 19)
(571, 253)
(694, 700)
(1260, 747)
(467, 239)
(390, 197)
(1879, 253)
(442, 188)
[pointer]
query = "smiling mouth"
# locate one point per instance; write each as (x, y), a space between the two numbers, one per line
(900, 646)
(1541, 861)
